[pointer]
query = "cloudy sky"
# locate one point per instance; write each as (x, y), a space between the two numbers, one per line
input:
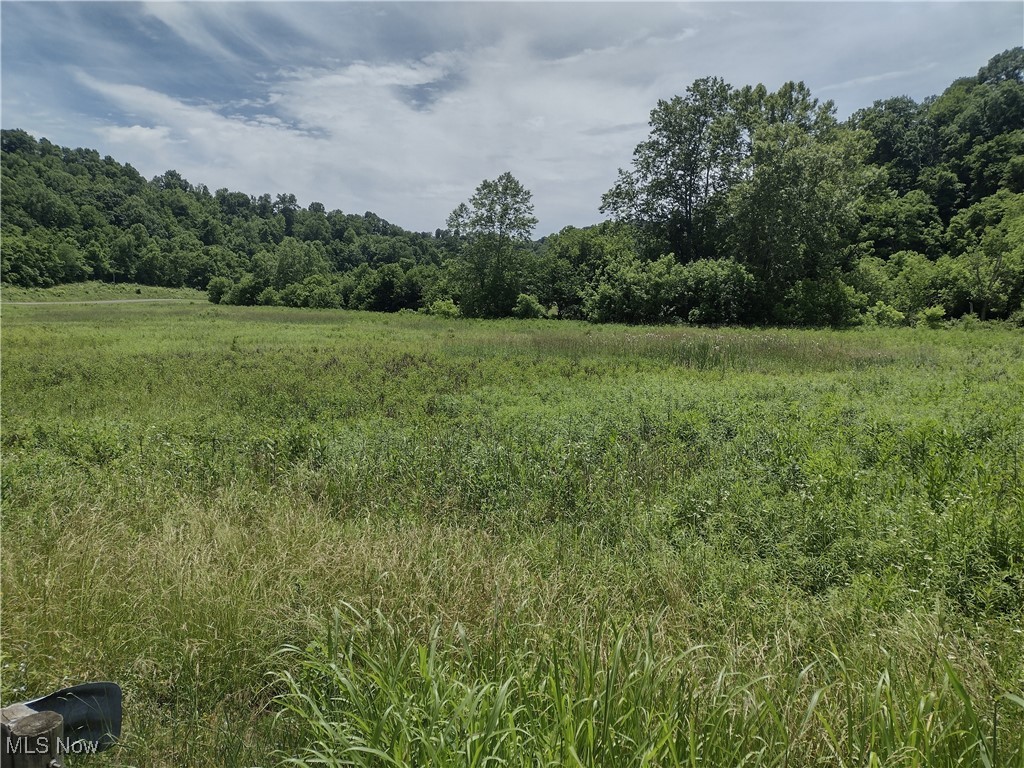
(403, 108)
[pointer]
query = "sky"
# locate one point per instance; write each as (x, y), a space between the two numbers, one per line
(403, 108)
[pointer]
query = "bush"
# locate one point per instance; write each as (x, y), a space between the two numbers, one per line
(320, 293)
(268, 297)
(243, 292)
(870, 276)
(528, 308)
(218, 288)
(917, 282)
(827, 301)
(443, 308)
(294, 295)
(968, 322)
(720, 291)
(633, 291)
(932, 317)
(883, 314)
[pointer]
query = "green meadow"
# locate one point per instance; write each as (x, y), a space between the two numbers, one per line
(94, 290)
(302, 537)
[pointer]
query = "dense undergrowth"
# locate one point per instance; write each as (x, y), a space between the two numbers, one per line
(371, 539)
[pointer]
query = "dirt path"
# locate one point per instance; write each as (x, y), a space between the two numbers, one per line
(84, 301)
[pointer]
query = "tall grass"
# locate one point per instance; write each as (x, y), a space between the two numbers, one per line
(365, 695)
(556, 542)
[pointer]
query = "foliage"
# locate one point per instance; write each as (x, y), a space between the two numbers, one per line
(764, 189)
(444, 308)
(527, 307)
(689, 160)
(717, 292)
(218, 288)
(70, 215)
(883, 314)
(932, 317)
(905, 142)
(825, 301)
(571, 262)
(489, 267)
(369, 696)
(909, 223)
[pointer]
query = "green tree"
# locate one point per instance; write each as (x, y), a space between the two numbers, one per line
(905, 141)
(297, 261)
(717, 291)
(978, 122)
(572, 260)
(690, 158)
(907, 223)
(987, 271)
(494, 230)
(218, 288)
(915, 282)
(794, 215)
(286, 205)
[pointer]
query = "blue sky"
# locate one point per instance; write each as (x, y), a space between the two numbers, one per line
(402, 108)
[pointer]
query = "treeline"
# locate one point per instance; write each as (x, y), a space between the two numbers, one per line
(904, 211)
(743, 205)
(70, 215)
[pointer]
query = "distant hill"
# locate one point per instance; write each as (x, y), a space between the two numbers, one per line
(936, 220)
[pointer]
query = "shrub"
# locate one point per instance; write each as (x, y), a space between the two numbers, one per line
(870, 276)
(826, 301)
(218, 288)
(917, 282)
(320, 293)
(632, 291)
(243, 292)
(527, 307)
(268, 297)
(931, 317)
(294, 295)
(883, 314)
(444, 308)
(968, 322)
(716, 291)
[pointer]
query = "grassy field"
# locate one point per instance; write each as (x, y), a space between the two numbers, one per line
(97, 291)
(339, 538)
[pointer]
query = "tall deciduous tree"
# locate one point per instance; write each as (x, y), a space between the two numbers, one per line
(495, 228)
(797, 211)
(766, 178)
(905, 140)
(691, 156)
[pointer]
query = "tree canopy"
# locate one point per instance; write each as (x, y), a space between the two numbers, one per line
(494, 229)
(743, 204)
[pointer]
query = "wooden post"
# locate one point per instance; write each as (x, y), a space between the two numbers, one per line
(30, 739)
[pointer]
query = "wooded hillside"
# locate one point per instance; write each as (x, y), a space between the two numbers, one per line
(744, 205)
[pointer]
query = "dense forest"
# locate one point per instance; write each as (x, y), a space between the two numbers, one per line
(743, 205)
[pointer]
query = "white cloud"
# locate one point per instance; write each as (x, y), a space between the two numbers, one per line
(182, 19)
(145, 138)
(403, 108)
(349, 137)
(203, 144)
(897, 74)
